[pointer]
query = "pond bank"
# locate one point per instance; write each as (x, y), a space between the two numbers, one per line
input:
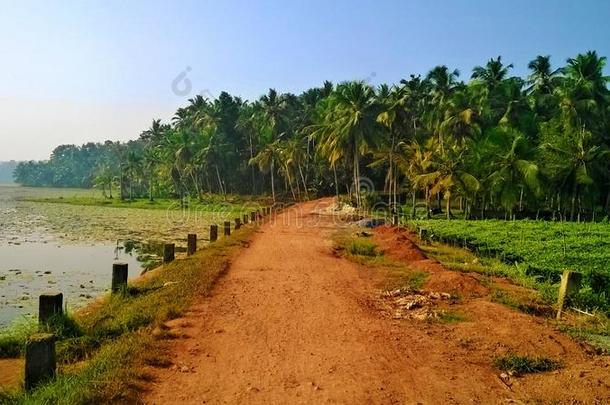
(121, 331)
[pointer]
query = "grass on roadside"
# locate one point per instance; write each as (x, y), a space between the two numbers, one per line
(526, 364)
(593, 330)
(452, 317)
(358, 246)
(102, 363)
(12, 340)
(535, 298)
(209, 202)
(362, 247)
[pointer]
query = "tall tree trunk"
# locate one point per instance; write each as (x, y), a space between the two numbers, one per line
(395, 176)
(131, 186)
(222, 191)
(150, 186)
(252, 167)
(357, 176)
(573, 205)
(449, 206)
(413, 204)
(289, 181)
(521, 200)
(391, 171)
(304, 183)
(272, 181)
(336, 181)
(121, 184)
(195, 183)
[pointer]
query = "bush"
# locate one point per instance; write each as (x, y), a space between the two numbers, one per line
(526, 364)
(362, 248)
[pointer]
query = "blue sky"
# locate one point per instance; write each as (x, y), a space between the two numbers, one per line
(78, 71)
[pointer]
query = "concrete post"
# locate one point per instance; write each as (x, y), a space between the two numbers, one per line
(213, 233)
(191, 244)
(119, 276)
(570, 284)
(237, 223)
(49, 305)
(39, 359)
(227, 228)
(168, 252)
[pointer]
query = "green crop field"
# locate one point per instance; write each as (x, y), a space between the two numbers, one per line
(539, 249)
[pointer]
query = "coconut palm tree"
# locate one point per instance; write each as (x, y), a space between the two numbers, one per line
(493, 73)
(572, 159)
(543, 78)
(266, 159)
(349, 128)
(513, 167)
(447, 174)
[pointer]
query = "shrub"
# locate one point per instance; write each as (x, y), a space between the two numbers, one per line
(526, 364)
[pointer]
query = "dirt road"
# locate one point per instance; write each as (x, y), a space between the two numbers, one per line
(291, 322)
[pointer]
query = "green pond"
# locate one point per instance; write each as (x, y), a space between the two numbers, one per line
(55, 247)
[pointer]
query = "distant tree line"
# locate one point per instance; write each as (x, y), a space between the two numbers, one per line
(6, 171)
(495, 143)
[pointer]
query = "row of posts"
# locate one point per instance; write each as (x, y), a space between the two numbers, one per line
(40, 362)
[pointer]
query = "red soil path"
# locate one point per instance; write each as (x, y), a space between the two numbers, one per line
(292, 323)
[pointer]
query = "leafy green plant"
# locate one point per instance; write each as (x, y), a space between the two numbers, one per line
(535, 253)
(526, 364)
(452, 317)
(362, 247)
(12, 340)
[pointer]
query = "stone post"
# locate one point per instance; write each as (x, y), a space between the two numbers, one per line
(119, 276)
(168, 252)
(191, 244)
(570, 284)
(49, 305)
(39, 359)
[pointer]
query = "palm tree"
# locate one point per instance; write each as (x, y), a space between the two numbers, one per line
(133, 166)
(513, 168)
(294, 152)
(104, 176)
(349, 128)
(492, 73)
(584, 91)
(151, 158)
(460, 120)
(542, 80)
(265, 159)
(572, 159)
(154, 134)
(395, 117)
(447, 174)
(442, 84)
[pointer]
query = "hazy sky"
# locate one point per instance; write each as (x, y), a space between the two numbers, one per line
(82, 71)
